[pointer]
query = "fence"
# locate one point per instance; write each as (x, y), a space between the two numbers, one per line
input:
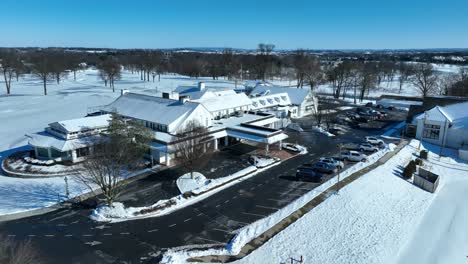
(426, 180)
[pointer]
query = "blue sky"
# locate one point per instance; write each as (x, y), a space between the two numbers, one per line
(345, 24)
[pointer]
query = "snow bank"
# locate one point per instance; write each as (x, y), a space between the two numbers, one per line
(255, 229)
(323, 131)
(191, 181)
(164, 207)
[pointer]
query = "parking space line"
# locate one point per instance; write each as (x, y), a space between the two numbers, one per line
(200, 214)
(188, 219)
(87, 235)
(172, 225)
(275, 200)
(151, 231)
(267, 207)
(227, 201)
(222, 230)
(49, 235)
(108, 234)
(213, 241)
(259, 215)
(68, 235)
(31, 235)
(217, 205)
(125, 233)
(234, 197)
(253, 188)
(11, 235)
(292, 194)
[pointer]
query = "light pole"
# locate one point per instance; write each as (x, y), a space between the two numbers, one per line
(67, 191)
(422, 131)
(339, 170)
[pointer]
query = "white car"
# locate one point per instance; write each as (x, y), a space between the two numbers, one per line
(351, 155)
(339, 164)
(290, 147)
(261, 161)
(374, 141)
(368, 147)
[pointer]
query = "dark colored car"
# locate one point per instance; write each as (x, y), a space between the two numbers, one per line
(308, 174)
(369, 104)
(362, 119)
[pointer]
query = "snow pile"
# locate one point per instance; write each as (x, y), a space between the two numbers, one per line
(295, 127)
(263, 161)
(322, 131)
(255, 229)
(105, 212)
(191, 181)
(164, 207)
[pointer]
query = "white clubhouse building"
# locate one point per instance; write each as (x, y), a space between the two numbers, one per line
(229, 117)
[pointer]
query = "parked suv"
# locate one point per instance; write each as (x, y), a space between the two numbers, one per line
(324, 167)
(351, 155)
(339, 164)
(374, 141)
(308, 174)
(368, 147)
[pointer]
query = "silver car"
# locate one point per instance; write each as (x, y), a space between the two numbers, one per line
(339, 164)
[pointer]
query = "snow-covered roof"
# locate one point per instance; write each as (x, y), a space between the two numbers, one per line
(270, 100)
(296, 95)
(150, 108)
(456, 114)
(46, 140)
(85, 123)
(222, 100)
(254, 83)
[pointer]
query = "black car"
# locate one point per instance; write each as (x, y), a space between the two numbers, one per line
(308, 174)
(362, 119)
(369, 104)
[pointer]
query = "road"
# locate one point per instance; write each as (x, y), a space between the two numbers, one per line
(69, 236)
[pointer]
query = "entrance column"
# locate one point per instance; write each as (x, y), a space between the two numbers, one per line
(216, 144)
(226, 141)
(280, 143)
(168, 163)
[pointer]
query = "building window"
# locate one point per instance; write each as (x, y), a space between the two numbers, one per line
(42, 152)
(431, 131)
(81, 152)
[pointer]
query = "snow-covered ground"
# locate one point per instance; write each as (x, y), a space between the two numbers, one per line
(380, 218)
(27, 110)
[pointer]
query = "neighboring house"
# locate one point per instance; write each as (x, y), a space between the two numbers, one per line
(444, 125)
(302, 102)
(70, 140)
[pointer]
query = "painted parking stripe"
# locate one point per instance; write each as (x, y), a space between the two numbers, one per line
(217, 205)
(222, 230)
(200, 214)
(172, 225)
(11, 235)
(253, 188)
(108, 234)
(188, 219)
(151, 231)
(87, 235)
(31, 235)
(279, 201)
(267, 207)
(69, 235)
(49, 235)
(212, 241)
(227, 201)
(125, 233)
(259, 215)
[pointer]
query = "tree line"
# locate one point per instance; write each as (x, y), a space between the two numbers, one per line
(347, 75)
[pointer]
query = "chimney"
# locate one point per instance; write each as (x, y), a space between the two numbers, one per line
(201, 86)
(124, 91)
(183, 99)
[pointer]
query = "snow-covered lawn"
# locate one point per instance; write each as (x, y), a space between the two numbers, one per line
(27, 110)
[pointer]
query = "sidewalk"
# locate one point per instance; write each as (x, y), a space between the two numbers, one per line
(283, 224)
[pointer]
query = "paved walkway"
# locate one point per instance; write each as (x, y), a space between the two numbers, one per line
(263, 238)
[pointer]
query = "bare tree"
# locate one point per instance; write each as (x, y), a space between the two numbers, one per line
(110, 70)
(42, 67)
(120, 151)
(14, 252)
(425, 79)
(446, 82)
(191, 148)
(405, 71)
(8, 65)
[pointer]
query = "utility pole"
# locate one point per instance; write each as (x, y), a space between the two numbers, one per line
(339, 170)
(422, 131)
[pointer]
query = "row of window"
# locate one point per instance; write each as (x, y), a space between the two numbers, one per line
(431, 131)
(155, 126)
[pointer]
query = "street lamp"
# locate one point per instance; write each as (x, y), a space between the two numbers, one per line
(339, 170)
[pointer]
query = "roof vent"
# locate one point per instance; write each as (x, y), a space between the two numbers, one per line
(201, 86)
